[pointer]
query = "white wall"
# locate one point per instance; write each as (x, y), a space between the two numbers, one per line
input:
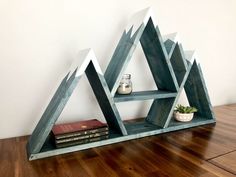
(40, 39)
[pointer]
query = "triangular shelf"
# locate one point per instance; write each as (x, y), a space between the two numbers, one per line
(189, 76)
(147, 33)
(172, 69)
(94, 74)
(152, 44)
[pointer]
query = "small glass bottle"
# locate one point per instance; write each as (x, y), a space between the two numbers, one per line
(125, 86)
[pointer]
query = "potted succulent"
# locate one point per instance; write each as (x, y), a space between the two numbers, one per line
(184, 113)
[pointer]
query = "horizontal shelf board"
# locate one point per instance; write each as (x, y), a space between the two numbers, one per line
(195, 120)
(115, 138)
(139, 127)
(144, 95)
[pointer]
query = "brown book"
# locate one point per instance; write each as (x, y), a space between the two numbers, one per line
(75, 134)
(78, 128)
(76, 138)
(84, 141)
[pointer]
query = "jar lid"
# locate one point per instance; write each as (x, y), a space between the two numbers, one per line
(126, 76)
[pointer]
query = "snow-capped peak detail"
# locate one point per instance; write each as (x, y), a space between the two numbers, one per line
(190, 56)
(172, 36)
(139, 18)
(82, 61)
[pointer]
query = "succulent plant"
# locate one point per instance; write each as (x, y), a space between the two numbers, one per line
(185, 109)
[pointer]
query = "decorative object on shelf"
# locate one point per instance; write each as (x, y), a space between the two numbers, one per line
(173, 70)
(184, 113)
(81, 132)
(125, 86)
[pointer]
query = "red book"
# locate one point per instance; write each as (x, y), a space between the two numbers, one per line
(81, 126)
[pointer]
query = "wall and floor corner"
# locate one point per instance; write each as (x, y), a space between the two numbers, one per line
(39, 40)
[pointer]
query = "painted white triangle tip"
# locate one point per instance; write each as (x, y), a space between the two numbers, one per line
(82, 61)
(139, 18)
(171, 36)
(190, 55)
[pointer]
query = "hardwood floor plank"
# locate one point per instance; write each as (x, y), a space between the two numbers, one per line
(167, 163)
(211, 169)
(204, 148)
(227, 162)
(120, 154)
(222, 136)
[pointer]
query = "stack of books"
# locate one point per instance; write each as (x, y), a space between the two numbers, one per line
(70, 134)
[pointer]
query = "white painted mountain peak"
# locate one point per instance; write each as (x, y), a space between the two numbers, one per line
(82, 61)
(172, 36)
(190, 55)
(139, 18)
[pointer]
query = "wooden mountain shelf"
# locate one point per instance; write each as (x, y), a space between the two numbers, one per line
(173, 71)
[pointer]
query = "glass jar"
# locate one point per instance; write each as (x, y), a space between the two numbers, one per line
(125, 86)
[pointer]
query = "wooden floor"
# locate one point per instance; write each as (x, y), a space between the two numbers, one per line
(203, 151)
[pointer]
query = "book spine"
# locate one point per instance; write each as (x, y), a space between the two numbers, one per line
(62, 136)
(71, 139)
(98, 134)
(61, 145)
(81, 137)
(80, 133)
(84, 141)
(98, 138)
(98, 130)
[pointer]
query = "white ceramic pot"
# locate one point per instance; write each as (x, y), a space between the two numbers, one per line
(183, 117)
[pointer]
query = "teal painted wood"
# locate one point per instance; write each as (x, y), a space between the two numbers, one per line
(178, 75)
(196, 120)
(59, 100)
(179, 63)
(52, 113)
(157, 58)
(37, 133)
(144, 95)
(197, 93)
(104, 98)
(140, 127)
(121, 58)
(116, 139)
(169, 45)
(160, 111)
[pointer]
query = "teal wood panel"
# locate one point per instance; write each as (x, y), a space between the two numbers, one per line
(140, 127)
(197, 93)
(52, 113)
(37, 133)
(178, 75)
(169, 45)
(196, 119)
(160, 111)
(157, 58)
(121, 58)
(178, 62)
(144, 95)
(104, 98)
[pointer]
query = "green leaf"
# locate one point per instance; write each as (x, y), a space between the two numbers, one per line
(185, 109)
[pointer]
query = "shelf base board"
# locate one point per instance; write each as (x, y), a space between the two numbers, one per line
(140, 127)
(115, 138)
